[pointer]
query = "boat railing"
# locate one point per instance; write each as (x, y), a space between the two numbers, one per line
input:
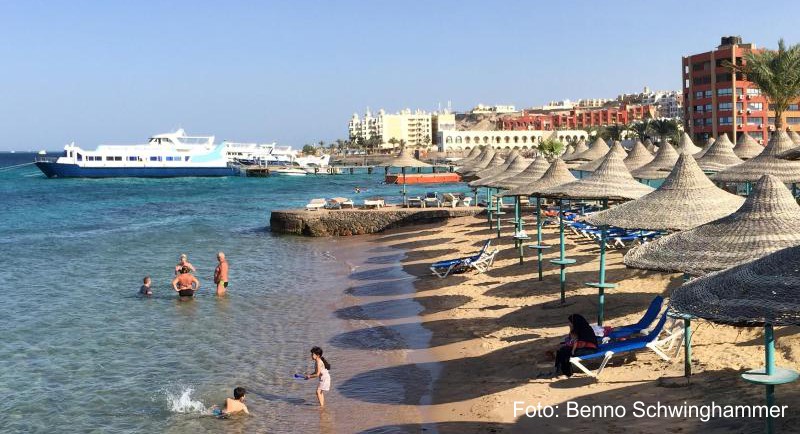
(44, 159)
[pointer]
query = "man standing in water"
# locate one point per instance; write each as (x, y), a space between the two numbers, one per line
(221, 274)
(185, 284)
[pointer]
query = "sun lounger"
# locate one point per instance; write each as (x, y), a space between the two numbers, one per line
(480, 262)
(432, 200)
(651, 341)
(415, 201)
(449, 200)
(466, 201)
(339, 203)
(374, 202)
(316, 204)
(643, 325)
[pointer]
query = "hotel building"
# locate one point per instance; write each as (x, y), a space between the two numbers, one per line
(576, 119)
(416, 128)
(718, 101)
(452, 140)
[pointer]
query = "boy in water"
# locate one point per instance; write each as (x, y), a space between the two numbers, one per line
(232, 406)
(145, 289)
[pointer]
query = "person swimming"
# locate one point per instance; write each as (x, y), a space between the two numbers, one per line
(185, 284)
(145, 289)
(184, 262)
(232, 406)
(321, 368)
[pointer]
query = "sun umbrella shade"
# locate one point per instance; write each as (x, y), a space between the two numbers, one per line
(610, 181)
(567, 152)
(638, 156)
(747, 147)
(795, 137)
(480, 162)
(686, 146)
(591, 166)
(719, 156)
(531, 173)
(497, 160)
(686, 199)
(598, 149)
(473, 153)
(404, 159)
(518, 165)
(662, 164)
(766, 162)
(494, 169)
(557, 174)
(768, 220)
(765, 291)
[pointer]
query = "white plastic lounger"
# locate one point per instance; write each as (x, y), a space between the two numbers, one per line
(479, 262)
(375, 203)
(316, 204)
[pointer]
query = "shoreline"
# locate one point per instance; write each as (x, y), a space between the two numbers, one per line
(489, 334)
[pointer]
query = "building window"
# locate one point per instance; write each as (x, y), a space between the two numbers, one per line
(708, 94)
(738, 120)
(793, 107)
(698, 109)
(698, 94)
(725, 91)
(708, 107)
(771, 120)
(698, 122)
(706, 79)
(754, 91)
(709, 121)
(726, 120)
(739, 106)
(755, 106)
(726, 106)
(755, 121)
(739, 91)
(793, 120)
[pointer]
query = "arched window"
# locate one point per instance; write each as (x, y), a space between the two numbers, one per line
(478, 140)
(458, 139)
(485, 139)
(466, 139)
(516, 139)
(524, 139)
(508, 148)
(524, 147)
(516, 147)
(497, 139)
(448, 139)
(507, 139)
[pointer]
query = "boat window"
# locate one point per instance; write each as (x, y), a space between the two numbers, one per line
(79, 156)
(131, 158)
(185, 158)
(109, 158)
(155, 158)
(117, 158)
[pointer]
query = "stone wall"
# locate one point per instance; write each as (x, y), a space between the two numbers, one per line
(345, 222)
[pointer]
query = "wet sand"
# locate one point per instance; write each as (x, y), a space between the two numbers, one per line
(488, 335)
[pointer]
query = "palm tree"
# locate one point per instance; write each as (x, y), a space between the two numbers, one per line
(776, 73)
(393, 142)
(664, 128)
(616, 131)
(641, 129)
(551, 147)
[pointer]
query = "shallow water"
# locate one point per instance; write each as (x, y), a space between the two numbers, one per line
(81, 351)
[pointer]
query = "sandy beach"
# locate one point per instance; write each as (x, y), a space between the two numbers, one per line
(489, 334)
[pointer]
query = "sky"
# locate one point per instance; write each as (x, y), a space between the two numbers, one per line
(115, 72)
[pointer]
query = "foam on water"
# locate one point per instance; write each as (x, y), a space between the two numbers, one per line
(182, 402)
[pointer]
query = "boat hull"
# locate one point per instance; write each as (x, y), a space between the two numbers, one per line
(58, 170)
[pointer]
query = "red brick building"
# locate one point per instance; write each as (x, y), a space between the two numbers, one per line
(577, 119)
(717, 101)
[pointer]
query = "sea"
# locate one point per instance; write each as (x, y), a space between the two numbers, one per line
(83, 352)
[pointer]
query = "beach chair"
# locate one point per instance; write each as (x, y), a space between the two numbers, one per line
(466, 201)
(339, 203)
(432, 200)
(651, 341)
(315, 204)
(415, 201)
(480, 262)
(643, 325)
(374, 202)
(449, 200)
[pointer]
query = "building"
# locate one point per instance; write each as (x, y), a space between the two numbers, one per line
(452, 140)
(415, 128)
(718, 101)
(668, 103)
(577, 118)
(481, 109)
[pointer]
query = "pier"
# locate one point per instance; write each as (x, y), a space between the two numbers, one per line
(257, 171)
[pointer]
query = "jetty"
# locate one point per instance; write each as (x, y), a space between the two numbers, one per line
(358, 221)
(256, 171)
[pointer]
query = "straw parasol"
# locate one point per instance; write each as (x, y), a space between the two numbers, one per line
(598, 149)
(765, 163)
(650, 146)
(610, 181)
(567, 152)
(795, 137)
(686, 199)
(747, 147)
(686, 146)
(763, 292)
(497, 160)
(515, 168)
(768, 221)
(500, 167)
(404, 160)
(534, 171)
(659, 168)
(719, 156)
(473, 153)
(638, 156)
(480, 162)
(591, 166)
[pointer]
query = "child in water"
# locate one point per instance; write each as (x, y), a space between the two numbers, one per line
(232, 406)
(145, 289)
(321, 367)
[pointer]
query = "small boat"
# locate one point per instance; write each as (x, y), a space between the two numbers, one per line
(42, 152)
(288, 171)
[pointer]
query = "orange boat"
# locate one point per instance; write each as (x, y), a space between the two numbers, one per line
(423, 178)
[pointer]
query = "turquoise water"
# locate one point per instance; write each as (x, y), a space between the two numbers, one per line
(83, 353)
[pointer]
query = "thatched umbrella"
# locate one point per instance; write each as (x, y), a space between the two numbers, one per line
(598, 149)
(719, 156)
(638, 156)
(687, 146)
(591, 166)
(580, 148)
(531, 173)
(480, 162)
(611, 181)
(568, 151)
(498, 165)
(651, 147)
(747, 147)
(765, 163)
(686, 199)
(769, 220)
(403, 160)
(763, 292)
(557, 174)
(659, 168)
(514, 164)
(473, 153)
(795, 137)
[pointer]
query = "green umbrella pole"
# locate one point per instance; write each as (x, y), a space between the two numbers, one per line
(497, 215)
(687, 341)
(539, 234)
(769, 355)
(517, 216)
(563, 275)
(601, 290)
(405, 196)
(489, 206)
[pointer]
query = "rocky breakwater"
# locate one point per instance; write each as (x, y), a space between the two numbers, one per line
(345, 222)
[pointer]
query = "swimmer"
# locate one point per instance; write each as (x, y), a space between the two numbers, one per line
(185, 284)
(184, 262)
(221, 274)
(145, 289)
(321, 367)
(232, 406)
(357, 190)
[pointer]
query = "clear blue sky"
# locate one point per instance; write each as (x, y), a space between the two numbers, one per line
(294, 72)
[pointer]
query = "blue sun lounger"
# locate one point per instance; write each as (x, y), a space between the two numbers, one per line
(651, 341)
(644, 323)
(479, 262)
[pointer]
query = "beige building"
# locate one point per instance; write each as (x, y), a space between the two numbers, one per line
(521, 140)
(415, 128)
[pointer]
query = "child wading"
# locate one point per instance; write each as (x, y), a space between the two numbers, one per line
(321, 367)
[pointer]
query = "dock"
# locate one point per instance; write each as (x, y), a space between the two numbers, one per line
(256, 171)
